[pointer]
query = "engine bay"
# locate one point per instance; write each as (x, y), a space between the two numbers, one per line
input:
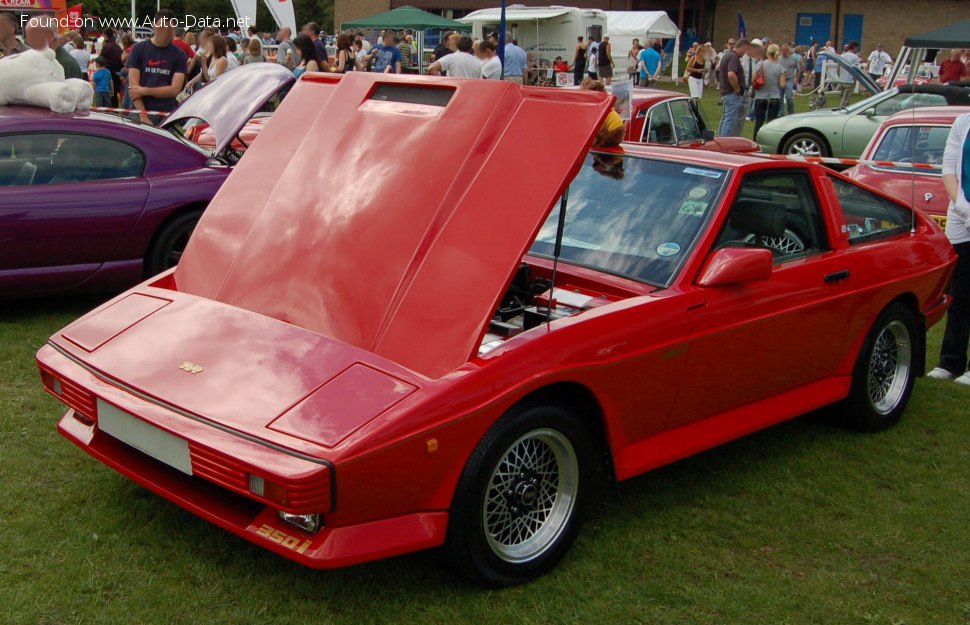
(530, 301)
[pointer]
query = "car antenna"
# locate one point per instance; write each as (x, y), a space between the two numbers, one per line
(556, 251)
(912, 169)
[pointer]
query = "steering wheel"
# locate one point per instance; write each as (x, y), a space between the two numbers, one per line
(788, 244)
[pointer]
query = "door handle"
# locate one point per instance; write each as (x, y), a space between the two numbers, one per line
(837, 276)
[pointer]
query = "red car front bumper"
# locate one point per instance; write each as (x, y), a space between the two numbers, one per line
(245, 516)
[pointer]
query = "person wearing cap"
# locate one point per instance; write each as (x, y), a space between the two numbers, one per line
(879, 59)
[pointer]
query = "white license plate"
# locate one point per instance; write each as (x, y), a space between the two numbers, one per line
(148, 439)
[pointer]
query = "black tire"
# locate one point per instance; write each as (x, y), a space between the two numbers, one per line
(892, 343)
(170, 242)
(493, 556)
(801, 138)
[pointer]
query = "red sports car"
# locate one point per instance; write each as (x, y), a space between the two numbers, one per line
(363, 354)
(917, 135)
(671, 118)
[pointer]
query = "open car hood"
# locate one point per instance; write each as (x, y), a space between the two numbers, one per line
(855, 71)
(227, 103)
(390, 212)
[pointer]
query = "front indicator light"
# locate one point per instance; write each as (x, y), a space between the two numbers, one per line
(309, 523)
(268, 490)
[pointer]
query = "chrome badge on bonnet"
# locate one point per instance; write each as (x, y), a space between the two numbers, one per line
(190, 367)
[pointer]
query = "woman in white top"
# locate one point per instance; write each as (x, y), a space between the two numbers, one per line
(956, 179)
(218, 63)
(632, 61)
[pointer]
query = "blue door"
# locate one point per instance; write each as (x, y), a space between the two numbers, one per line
(852, 29)
(811, 27)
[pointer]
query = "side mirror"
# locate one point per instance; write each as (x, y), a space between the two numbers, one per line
(708, 134)
(737, 265)
(871, 112)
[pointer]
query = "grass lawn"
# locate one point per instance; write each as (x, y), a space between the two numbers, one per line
(803, 523)
(712, 111)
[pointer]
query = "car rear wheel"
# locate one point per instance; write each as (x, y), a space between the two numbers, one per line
(170, 242)
(805, 144)
(517, 508)
(884, 373)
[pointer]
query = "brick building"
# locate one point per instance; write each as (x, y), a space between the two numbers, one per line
(867, 21)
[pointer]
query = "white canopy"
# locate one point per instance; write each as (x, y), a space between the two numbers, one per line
(514, 14)
(635, 24)
(625, 26)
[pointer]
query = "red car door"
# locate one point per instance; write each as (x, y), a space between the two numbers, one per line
(71, 203)
(759, 339)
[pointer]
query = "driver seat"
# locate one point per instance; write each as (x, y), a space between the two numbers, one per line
(761, 218)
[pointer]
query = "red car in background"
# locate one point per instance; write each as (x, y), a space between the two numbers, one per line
(351, 363)
(918, 135)
(671, 118)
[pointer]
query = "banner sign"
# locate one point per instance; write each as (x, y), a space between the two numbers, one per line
(28, 5)
(282, 11)
(74, 17)
(623, 90)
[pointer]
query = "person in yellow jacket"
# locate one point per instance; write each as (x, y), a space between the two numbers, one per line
(613, 129)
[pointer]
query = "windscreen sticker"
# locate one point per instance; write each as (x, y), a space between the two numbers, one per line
(707, 173)
(697, 193)
(694, 208)
(668, 249)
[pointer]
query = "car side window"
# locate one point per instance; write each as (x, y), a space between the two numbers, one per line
(660, 129)
(685, 121)
(48, 158)
(908, 144)
(867, 215)
(906, 101)
(777, 210)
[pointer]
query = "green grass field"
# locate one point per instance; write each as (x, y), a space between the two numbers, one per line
(711, 111)
(803, 523)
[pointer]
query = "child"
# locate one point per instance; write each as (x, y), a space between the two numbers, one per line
(102, 83)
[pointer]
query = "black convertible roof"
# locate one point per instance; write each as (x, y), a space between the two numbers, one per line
(956, 95)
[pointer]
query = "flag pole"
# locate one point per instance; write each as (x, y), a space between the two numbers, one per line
(501, 39)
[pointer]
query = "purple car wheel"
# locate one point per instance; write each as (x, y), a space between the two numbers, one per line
(170, 242)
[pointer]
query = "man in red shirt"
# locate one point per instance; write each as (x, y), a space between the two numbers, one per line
(953, 68)
(184, 47)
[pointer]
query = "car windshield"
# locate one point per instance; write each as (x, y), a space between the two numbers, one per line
(886, 106)
(635, 217)
(912, 144)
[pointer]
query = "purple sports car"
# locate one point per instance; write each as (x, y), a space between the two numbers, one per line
(90, 201)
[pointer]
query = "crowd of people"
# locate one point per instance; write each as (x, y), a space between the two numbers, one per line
(757, 79)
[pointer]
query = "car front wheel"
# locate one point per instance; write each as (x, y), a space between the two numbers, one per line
(517, 509)
(884, 373)
(805, 144)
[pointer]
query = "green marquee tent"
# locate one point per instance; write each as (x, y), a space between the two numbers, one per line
(956, 35)
(406, 18)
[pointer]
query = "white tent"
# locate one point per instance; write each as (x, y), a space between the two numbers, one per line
(625, 26)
